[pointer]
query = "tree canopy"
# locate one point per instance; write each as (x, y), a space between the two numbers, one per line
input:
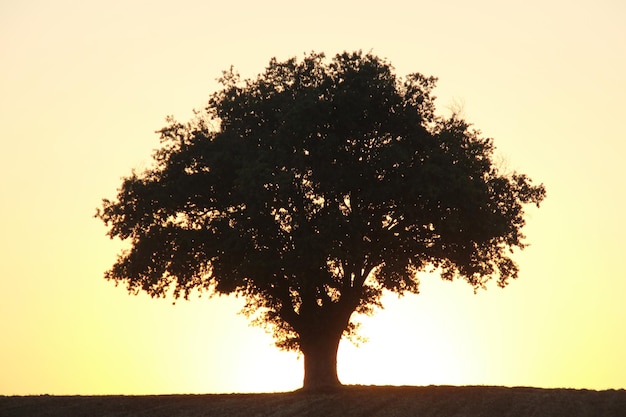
(311, 189)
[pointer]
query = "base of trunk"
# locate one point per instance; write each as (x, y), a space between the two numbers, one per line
(320, 365)
(320, 390)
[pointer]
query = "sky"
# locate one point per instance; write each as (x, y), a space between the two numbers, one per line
(84, 86)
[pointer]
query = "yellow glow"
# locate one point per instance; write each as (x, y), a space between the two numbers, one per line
(83, 88)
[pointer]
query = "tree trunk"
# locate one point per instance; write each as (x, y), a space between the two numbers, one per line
(320, 362)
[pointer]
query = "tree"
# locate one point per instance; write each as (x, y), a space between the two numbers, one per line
(310, 190)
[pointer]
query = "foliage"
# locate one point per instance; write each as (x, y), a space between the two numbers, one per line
(311, 189)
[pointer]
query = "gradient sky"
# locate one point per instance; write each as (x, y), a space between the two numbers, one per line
(84, 85)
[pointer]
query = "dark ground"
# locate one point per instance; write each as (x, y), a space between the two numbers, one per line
(350, 401)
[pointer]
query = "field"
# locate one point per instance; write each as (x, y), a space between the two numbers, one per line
(349, 401)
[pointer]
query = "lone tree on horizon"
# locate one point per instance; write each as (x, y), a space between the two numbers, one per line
(309, 191)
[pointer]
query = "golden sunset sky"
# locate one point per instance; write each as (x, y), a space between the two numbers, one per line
(84, 85)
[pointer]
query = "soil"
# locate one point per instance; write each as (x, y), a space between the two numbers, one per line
(348, 401)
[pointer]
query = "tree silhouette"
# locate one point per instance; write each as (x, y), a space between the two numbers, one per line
(310, 190)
